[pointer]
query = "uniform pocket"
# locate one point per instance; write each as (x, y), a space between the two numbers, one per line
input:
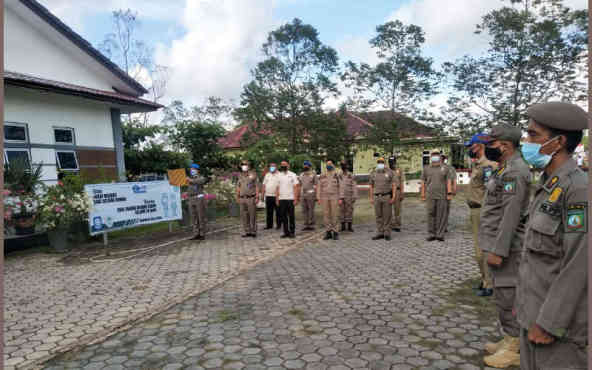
(542, 235)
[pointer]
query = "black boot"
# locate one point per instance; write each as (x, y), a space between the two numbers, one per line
(349, 227)
(335, 235)
(342, 226)
(327, 235)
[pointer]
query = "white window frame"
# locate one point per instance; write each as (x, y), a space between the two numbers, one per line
(59, 165)
(71, 129)
(6, 150)
(17, 124)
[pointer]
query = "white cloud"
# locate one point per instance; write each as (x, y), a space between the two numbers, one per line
(221, 45)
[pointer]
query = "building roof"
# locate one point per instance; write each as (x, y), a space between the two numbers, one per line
(407, 127)
(24, 80)
(356, 125)
(66, 31)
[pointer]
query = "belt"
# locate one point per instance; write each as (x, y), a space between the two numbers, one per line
(247, 196)
(381, 194)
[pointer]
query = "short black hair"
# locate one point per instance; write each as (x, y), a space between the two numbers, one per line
(574, 138)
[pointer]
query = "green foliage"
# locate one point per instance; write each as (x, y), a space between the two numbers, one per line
(20, 177)
(537, 52)
(221, 185)
(214, 111)
(60, 206)
(153, 159)
(135, 133)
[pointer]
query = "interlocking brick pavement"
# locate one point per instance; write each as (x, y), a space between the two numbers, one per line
(354, 303)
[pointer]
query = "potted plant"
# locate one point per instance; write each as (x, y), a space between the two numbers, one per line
(22, 184)
(59, 208)
(223, 191)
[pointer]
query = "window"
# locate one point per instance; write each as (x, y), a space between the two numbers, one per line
(15, 132)
(14, 155)
(63, 135)
(67, 160)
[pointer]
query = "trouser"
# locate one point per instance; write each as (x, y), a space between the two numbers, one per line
(449, 203)
(557, 355)
(197, 209)
(330, 214)
(271, 207)
(384, 214)
(248, 214)
(346, 210)
(479, 255)
(504, 298)
(287, 216)
(308, 207)
(437, 217)
(396, 221)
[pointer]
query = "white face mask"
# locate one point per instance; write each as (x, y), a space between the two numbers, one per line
(435, 159)
(244, 168)
(193, 172)
(380, 166)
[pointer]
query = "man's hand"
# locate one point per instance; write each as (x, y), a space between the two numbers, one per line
(340, 201)
(392, 200)
(277, 202)
(494, 260)
(319, 201)
(538, 335)
(449, 197)
(423, 198)
(256, 200)
(371, 200)
(296, 201)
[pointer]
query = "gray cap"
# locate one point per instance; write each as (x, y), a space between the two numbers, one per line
(505, 132)
(559, 115)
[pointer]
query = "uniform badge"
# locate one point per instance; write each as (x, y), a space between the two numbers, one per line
(501, 170)
(576, 220)
(509, 186)
(551, 183)
(555, 195)
(487, 173)
(551, 209)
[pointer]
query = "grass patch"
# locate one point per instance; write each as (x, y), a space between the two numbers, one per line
(296, 312)
(224, 316)
(465, 295)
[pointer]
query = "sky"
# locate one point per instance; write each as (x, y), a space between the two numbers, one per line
(212, 45)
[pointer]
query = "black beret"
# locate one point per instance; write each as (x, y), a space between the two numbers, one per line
(559, 115)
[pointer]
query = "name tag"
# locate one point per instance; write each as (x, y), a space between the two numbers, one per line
(200, 195)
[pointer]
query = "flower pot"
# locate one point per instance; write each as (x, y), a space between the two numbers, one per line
(24, 224)
(79, 232)
(58, 239)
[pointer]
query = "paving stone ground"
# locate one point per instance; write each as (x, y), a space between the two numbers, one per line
(354, 303)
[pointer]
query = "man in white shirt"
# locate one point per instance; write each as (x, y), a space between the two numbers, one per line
(270, 184)
(287, 196)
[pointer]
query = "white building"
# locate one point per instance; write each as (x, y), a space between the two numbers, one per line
(63, 98)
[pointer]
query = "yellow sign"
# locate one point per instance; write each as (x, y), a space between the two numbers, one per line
(555, 195)
(177, 177)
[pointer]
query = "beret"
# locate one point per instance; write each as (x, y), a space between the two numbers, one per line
(380, 159)
(195, 165)
(559, 115)
(505, 132)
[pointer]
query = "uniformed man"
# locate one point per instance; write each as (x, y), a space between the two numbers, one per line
(247, 195)
(197, 202)
(501, 235)
(452, 171)
(552, 303)
(308, 183)
(400, 178)
(329, 195)
(350, 194)
(436, 189)
(270, 184)
(481, 171)
(382, 193)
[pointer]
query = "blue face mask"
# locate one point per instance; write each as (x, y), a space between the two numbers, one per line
(435, 159)
(533, 156)
(380, 166)
(330, 168)
(272, 169)
(193, 172)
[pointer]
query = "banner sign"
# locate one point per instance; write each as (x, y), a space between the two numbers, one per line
(177, 177)
(128, 204)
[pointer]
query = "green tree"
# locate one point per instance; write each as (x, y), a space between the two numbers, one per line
(536, 52)
(400, 82)
(135, 133)
(290, 86)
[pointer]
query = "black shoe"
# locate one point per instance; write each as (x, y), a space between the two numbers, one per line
(285, 236)
(388, 237)
(378, 237)
(278, 227)
(335, 235)
(342, 226)
(484, 292)
(253, 235)
(349, 227)
(327, 235)
(245, 235)
(292, 236)
(431, 238)
(201, 237)
(440, 239)
(268, 227)
(478, 287)
(196, 237)
(397, 229)
(446, 230)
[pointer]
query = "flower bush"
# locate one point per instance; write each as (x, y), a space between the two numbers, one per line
(19, 203)
(221, 189)
(60, 206)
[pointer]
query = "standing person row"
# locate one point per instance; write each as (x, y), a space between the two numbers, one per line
(308, 184)
(247, 196)
(270, 184)
(382, 193)
(287, 197)
(350, 194)
(436, 189)
(452, 175)
(197, 202)
(399, 176)
(329, 196)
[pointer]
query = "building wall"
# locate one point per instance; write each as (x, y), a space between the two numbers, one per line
(33, 47)
(41, 112)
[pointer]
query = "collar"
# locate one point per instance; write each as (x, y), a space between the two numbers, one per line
(552, 181)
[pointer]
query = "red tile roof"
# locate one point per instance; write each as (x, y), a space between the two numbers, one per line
(25, 80)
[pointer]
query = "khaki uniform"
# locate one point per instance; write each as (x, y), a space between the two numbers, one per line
(554, 271)
(308, 183)
(396, 220)
(350, 194)
(436, 180)
(248, 184)
(197, 204)
(382, 182)
(482, 171)
(502, 233)
(453, 179)
(329, 192)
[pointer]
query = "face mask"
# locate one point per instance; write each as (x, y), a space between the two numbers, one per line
(380, 166)
(532, 154)
(244, 168)
(472, 154)
(284, 168)
(493, 154)
(193, 172)
(272, 169)
(435, 159)
(329, 167)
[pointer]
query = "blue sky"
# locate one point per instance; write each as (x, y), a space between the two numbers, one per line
(211, 45)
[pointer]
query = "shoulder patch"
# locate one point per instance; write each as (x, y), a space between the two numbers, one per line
(555, 194)
(576, 218)
(509, 185)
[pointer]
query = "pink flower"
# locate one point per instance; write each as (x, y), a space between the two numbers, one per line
(184, 195)
(58, 209)
(60, 183)
(6, 192)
